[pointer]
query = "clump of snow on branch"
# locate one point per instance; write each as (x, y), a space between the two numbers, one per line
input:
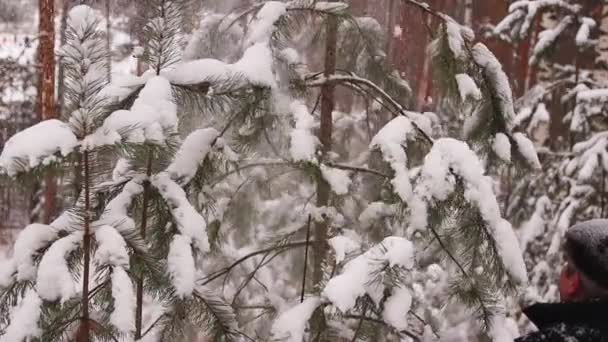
(112, 251)
(338, 180)
(255, 67)
(457, 36)
(303, 143)
(502, 147)
(391, 140)
(448, 159)
(116, 213)
(396, 308)
(54, 279)
(591, 155)
(31, 239)
(527, 150)
(547, 38)
(264, 24)
(189, 222)
(123, 315)
(535, 117)
(291, 324)
(24, 319)
(582, 35)
(37, 145)
(180, 264)
(355, 281)
(342, 246)
(467, 87)
(191, 154)
(152, 115)
(492, 69)
(112, 248)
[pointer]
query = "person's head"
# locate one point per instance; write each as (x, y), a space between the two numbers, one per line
(584, 274)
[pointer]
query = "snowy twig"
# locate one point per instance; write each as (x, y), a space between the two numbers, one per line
(316, 80)
(227, 270)
(357, 169)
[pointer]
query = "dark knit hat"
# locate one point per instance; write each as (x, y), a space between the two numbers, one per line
(587, 247)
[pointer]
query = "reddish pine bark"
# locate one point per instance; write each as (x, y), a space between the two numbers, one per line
(46, 90)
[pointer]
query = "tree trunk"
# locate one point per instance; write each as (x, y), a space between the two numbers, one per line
(85, 325)
(327, 108)
(46, 90)
(109, 40)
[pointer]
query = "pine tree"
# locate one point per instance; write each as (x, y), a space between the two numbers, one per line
(562, 113)
(198, 214)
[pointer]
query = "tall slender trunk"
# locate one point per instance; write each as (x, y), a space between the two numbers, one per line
(144, 223)
(85, 326)
(327, 108)
(109, 40)
(46, 91)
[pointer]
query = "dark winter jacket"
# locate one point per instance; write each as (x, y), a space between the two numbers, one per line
(568, 322)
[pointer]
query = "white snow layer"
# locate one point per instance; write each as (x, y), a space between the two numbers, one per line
(396, 308)
(589, 154)
(54, 279)
(449, 158)
(191, 154)
(582, 36)
(37, 145)
(391, 140)
(457, 36)
(502, 147)
(342, 246)
(547, 37)
(34, 237)
(189, 222)
(498, 329)
(180, 264)
(527, 150)
(112, 248)
(499, 80)
(123, 316)
(264, 24)
(338, 180)
(303, 143)
(254, 67)
(356, 279)
(116, 213)
(467, 87)
(24, 319)
(291, 324)
(152, 115)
